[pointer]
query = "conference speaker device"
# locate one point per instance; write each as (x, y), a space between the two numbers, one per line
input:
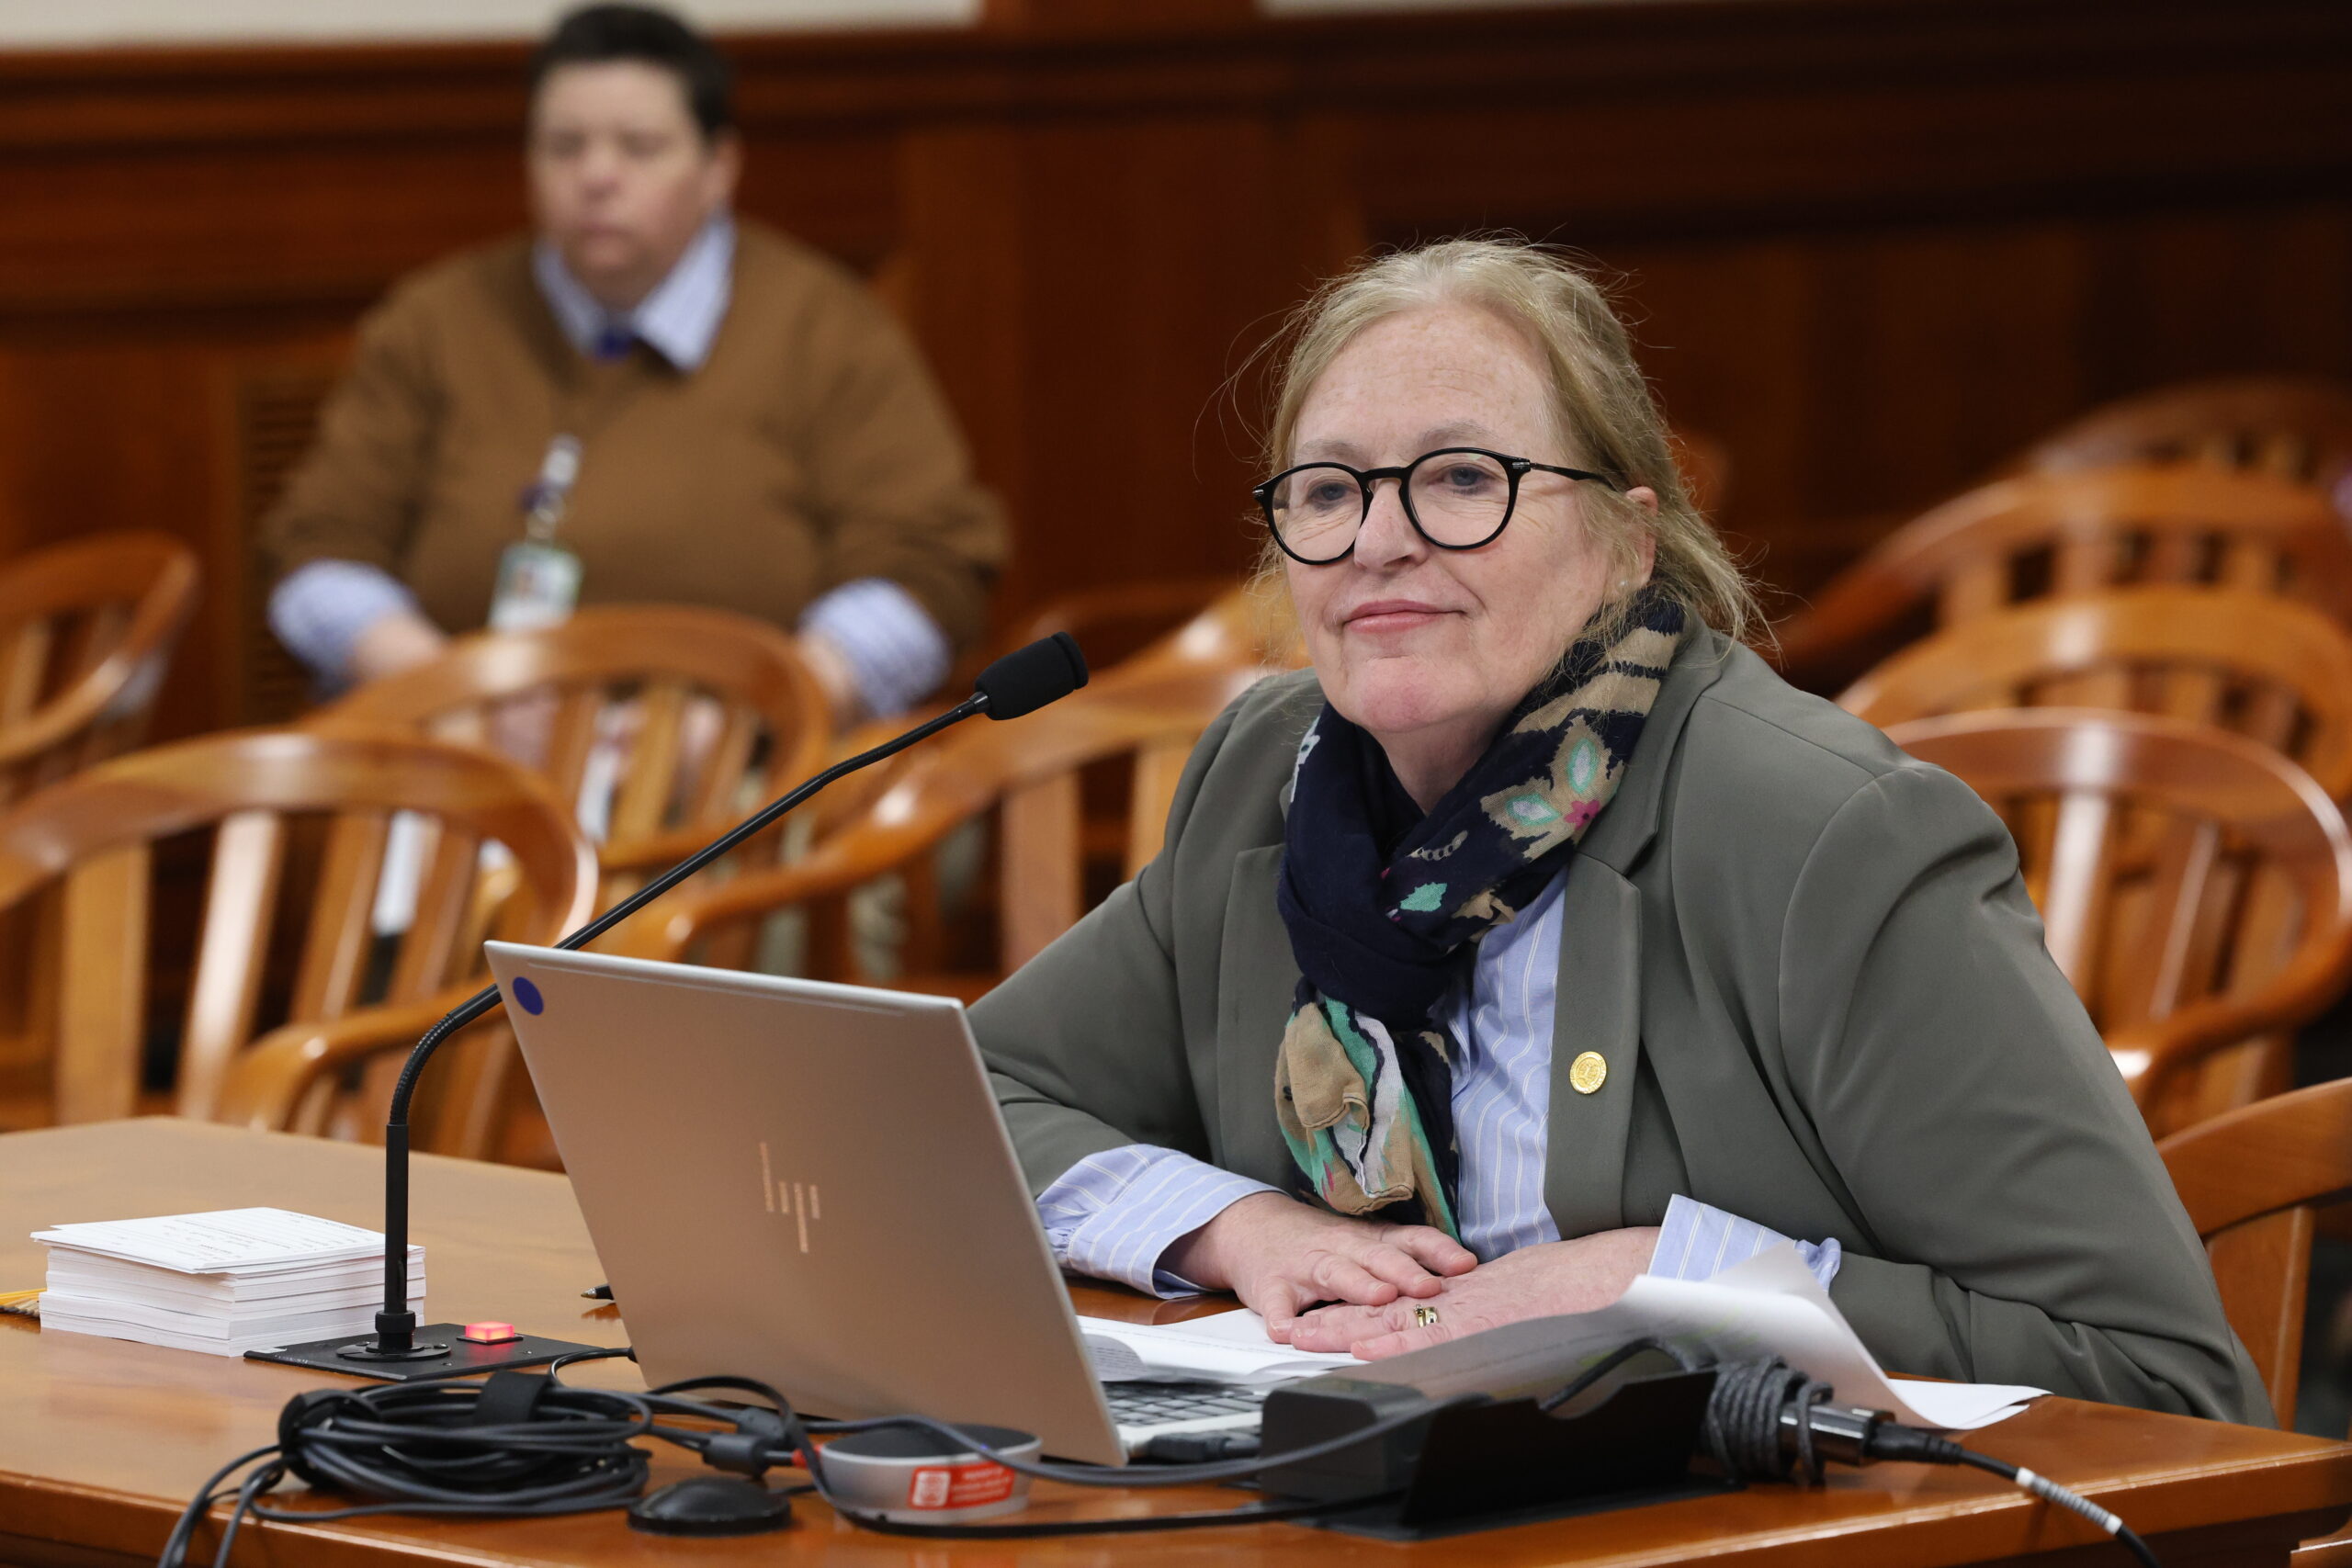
(399, 1350)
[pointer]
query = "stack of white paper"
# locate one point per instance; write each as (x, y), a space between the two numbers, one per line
(225, 1284)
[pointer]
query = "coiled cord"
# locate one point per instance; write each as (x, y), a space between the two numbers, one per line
(1761, 1426)
(1747, 1414)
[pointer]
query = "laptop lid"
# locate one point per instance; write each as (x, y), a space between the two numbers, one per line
(807, 1184)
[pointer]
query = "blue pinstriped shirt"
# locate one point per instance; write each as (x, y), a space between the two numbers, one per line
(895, 652)
(1113, 1214)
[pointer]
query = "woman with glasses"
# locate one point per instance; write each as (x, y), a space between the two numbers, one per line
(1540, 936)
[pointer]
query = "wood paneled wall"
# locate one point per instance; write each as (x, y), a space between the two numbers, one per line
(1873, 245)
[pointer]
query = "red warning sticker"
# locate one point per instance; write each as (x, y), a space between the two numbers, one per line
(959, 1486)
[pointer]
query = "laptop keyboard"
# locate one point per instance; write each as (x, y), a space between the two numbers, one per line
(1164, 1404)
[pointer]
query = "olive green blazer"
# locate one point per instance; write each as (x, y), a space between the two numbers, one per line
(1823, 1001)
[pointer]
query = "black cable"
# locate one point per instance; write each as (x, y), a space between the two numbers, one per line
(1894, 1442)
(1606, 1364)
(520, 1444)
(1764, 1418)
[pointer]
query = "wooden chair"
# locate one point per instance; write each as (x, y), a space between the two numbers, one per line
(2298, 429)
(298, 822)
(2231, 922)
(1027, 773)
(85, 631)
(661, 672)
(2276, 671)
(2046, 535)
(2253, 1181)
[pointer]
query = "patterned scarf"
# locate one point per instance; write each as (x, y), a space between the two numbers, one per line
(1386, 907)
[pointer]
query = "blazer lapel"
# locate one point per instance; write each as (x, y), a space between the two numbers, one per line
(1257, 979)
(1599, 1012)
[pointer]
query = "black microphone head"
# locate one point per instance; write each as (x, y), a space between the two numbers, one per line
(1028, 678)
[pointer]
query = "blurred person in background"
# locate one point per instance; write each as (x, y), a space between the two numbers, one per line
(648, 399)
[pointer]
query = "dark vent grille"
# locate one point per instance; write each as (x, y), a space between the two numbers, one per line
(277, 415)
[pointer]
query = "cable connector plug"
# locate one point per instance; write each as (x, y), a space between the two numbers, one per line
(1197, 1447)
(1887, 1440)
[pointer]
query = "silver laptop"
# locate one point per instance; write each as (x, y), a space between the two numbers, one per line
(809, 1184)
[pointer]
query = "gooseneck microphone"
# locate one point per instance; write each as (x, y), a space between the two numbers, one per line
(1023, 681)
(1019, 684)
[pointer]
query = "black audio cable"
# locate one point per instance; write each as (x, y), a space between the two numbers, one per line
(521, 1445)
(1768, 1421)
(518, 1444)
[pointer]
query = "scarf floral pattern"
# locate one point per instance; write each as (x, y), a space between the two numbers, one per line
(1386, 906)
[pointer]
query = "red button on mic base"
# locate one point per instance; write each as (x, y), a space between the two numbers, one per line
(489, 1334)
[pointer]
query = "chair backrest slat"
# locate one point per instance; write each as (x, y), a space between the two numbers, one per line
(444, 899)
(718, 782)
(248, 851)
(1160, 767)
(102, 1002)
(650, 775)
(335, 953)
(24, 670)
(2172, 964)
(2265, 1264)
(1042, 867)
(2074, 901)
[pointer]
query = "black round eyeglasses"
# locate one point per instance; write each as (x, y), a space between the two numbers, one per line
(1457, 498)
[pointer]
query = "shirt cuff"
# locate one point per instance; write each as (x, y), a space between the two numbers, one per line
(895, 652)
(1698, 1241)
(1112, 1214)
(319, 609)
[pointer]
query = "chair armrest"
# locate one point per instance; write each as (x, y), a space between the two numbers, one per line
(269, 1079)
(2150, 1052)
(672, 926)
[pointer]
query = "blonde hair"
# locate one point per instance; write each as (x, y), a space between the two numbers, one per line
(1606, 416)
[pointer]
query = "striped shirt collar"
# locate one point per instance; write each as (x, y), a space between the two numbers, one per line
(679, 319)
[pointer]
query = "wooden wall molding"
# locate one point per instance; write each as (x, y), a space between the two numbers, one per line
(1873, 243)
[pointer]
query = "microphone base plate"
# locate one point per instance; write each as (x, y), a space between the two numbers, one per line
(461, 1359)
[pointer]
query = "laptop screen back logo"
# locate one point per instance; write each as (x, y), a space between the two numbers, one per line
(796, 1200)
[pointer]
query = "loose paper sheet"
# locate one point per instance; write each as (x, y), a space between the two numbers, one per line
(1235, 1351)
(1770, 1304)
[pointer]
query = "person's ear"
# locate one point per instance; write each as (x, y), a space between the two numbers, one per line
(726, 169)
(1645, 542)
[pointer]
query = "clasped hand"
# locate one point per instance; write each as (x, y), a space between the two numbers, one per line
(1282, 1257)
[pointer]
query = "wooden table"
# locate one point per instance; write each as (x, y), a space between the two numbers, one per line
(102, 1441)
